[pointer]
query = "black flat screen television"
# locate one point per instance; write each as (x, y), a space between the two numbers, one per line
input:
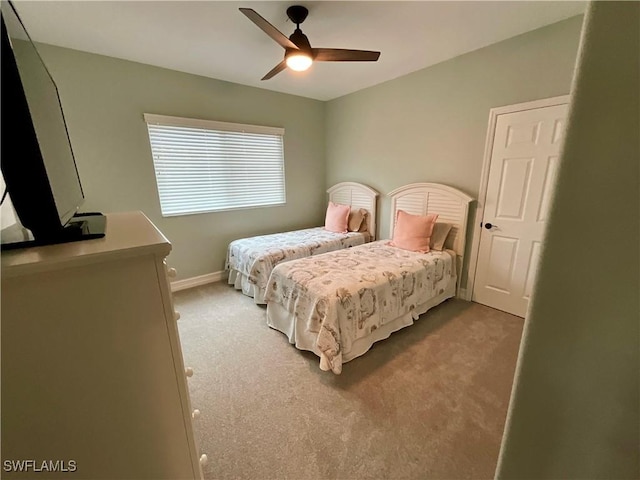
(37, 161)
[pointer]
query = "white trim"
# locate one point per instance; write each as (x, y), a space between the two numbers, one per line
(211, 124)
(198, 281)
(494, 113)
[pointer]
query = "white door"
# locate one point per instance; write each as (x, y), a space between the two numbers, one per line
(524, 161)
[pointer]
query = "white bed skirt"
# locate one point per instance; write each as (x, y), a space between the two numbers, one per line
(241, 282)
(284, 321)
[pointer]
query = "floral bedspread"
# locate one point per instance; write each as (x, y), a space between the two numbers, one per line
(347, 294)
(255, 257)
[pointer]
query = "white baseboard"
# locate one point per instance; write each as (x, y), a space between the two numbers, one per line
(199, 280)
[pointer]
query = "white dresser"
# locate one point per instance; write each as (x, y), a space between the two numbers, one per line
(92, 370)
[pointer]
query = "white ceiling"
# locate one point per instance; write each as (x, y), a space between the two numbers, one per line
(214, 39)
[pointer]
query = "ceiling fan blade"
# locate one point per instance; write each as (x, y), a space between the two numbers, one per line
(275, 70)
(269, 29)
(343, 55)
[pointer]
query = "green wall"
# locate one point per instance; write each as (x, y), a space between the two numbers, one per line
(431, 125)
(426, 126)
(104, 100)
(574, 411)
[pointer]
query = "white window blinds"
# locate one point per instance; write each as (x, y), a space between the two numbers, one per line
(206, 166)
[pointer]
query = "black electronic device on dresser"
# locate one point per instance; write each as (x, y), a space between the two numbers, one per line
(38, 166)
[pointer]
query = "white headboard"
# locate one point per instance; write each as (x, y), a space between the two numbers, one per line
(451, 205)
(358, 196)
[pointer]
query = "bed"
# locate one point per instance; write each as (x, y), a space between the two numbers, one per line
(339, 303)
(250, 260)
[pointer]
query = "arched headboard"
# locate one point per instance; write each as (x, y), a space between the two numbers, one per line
(357, 196)
(451, 205)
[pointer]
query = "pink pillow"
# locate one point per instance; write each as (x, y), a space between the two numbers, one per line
(413, 232)
(337, 218)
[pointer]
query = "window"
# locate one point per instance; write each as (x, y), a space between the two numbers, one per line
(206, 166)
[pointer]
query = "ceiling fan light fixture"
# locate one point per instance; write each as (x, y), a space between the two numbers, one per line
(299, 61)
(299, 55)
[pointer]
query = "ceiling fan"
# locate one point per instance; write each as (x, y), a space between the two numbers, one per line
(298, 53)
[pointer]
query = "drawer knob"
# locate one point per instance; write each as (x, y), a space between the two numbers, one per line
(203, 459)
(172, 272)
(188, 372)
(195, 414)
(176, 316)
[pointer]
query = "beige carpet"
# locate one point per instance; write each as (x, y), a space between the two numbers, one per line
(427, 403)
